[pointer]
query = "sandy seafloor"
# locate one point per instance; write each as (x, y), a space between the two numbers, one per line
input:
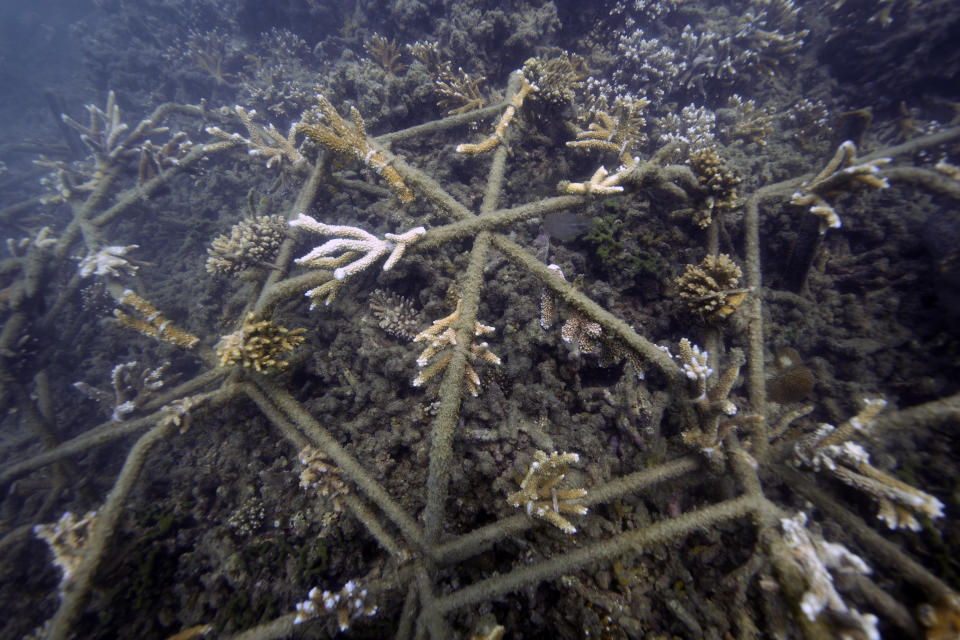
(216, 534)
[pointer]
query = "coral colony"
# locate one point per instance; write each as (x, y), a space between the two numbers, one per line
(636, 441)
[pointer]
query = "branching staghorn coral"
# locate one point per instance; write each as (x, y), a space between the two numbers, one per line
(329, 130)
(539, 495)
(210, 52)
(441, 338)
(844, 169)
(749, 122)
(108, 261)
(321, 476)
(132, 386)
(350, 253)
(829, 449)
(348, 603)
(105, 135)
(150, 322)
(500, 130)
(816, 558)
(263, 142)
(385, 53)
(434, 600)
(459, 91)
(67, 539)
(619, 130)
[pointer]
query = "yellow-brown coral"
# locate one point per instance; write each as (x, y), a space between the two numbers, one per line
(68, 539)
(719, 179)
(559, 78)
(617, 130)
(500, 130)
(831, 450)
(459, 91)
(258, 345)
(333, 132)
(942, 620)
(264, 142)
(320, 474)
(712, 288)
(385, 53)
(152, 323)
(441, 338)
(251, 242)
(750, 123)
(844, 169)
(539, 495)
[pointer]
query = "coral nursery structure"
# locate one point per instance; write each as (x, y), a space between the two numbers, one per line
(208, 337)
